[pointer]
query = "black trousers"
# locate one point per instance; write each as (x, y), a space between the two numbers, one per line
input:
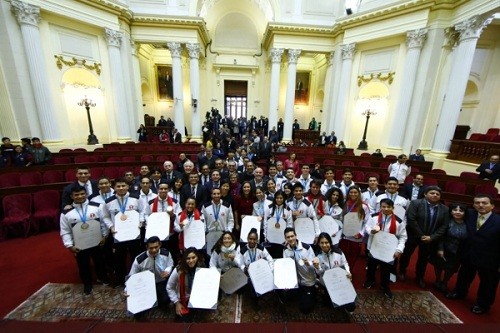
(121, 249)
(83, 259)
(385, 271)
(424, 252)
(307, 298)
(488, 283)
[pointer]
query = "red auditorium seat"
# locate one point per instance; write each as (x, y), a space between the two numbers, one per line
(486, 189)
(371, 174)
(9, 179)
(308, 159)
(365, 155)
(365, 164)
(84, 159)
(428, 181)
(328, 162)
(80, 150)
(114, 159)
(70, 175)
(475, 136)
(96, 172)
(384, 165)
(46, 210)
(454, 187)
(17, 210)
(438, 171)
(163, 158)
(66, 150)
(358, 176)
(469, 175)
(128, 158)
(409, 180)
(392, 157)
(496, 138)
(61, 160)
(30, 178)
(147, 158)
(52, 176)
(347, 163)
(111, 172)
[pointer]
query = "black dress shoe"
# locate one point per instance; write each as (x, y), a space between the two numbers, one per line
(454, 295)
(421, 283)
(402, 276)
(476, 309)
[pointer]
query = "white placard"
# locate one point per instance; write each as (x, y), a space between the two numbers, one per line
(233, 280)
(400, 212)
(128, 229)
(339, 286)
(352, 226)
(384, 246)
(285, 274)
(261, 276)
(87, 237)
(194, 234)
(205, 289)
(275, 235)
(141, 291)
(247, 224)
(158, 225)
(304, 227)
(331, 226)
(212, 238)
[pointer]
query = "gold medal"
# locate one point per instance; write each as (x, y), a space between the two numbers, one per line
(277, 225)
(216, 224)
(301, 262)
(226, 255)
(84, 226)
(123, 217)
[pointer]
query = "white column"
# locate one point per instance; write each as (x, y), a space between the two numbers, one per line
(414, 42)
(136, 77)
(469, 30)
(348, 51)
(293, 56)
(325, 117)
(334, 90)
(194, 76)
(114, 40)
(28, 17)
(175, 51)
(275, 87)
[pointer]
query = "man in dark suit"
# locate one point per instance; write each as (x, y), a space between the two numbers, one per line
(194, 190)
(426, 223)
(490, 170)
(82, 179)
(481, 255)
(417, 156)
(415, 190)
(265, 149)
(170, 175)
(208, 159)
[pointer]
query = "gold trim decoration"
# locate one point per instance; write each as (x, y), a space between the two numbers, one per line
(389, 77)
(74, 61)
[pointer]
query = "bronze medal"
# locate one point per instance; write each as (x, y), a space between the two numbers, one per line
(277, 225)
(123, 217)
(216, 224)
(84, 226)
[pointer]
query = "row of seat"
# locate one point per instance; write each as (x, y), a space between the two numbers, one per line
(492, 135)
(27, 214)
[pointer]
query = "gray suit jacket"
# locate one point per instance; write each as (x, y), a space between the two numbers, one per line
(418, 222)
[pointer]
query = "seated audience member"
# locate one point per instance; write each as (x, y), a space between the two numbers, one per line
(328, 258)
(180, 283)
(378, 153)
(384, 221)
(20, 158)
(417, 156)
(415, 190)
(158, 261)
(491, 169)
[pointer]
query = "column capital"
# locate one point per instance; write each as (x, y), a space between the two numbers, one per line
(348, 50)
(25, 13)
(472, 27)
(293, 55)
(135, 47)
(415, 38)
(113, 37)
(450, 37)
(276, 54)
(193, 50)
(330, 58)
(175, 49)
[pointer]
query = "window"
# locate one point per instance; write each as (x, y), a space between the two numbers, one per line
(236, 106)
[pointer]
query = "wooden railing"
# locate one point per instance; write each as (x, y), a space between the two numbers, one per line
(472, 151)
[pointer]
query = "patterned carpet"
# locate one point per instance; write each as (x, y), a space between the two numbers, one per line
(62, 302)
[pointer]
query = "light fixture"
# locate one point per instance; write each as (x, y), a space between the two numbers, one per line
(88, 103)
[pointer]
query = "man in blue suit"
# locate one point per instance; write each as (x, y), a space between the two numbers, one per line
(481, 255)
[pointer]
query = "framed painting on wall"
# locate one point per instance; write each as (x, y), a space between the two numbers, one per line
(302, 84)
(165, 82)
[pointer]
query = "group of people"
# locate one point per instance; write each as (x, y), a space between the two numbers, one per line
(227, 189)
(30, 152)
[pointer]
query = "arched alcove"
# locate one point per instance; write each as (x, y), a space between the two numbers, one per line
(236, 31)
(80, 83)
(469, 104)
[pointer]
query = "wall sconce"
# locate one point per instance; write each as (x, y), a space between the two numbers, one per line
(194, 102)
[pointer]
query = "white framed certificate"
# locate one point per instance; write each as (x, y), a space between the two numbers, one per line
(205, 289)
(212, 237)
(352, 226)
(87, 235)
(233, 280)
(400, 212)
(304, 227)
(384, 246)
(127, 226)
(331, 226)
(261, 276)
(275, 231)
(247, 224)
(194, 234)
(158, 225)
(141, 290)
(285, 274)
(339, 286)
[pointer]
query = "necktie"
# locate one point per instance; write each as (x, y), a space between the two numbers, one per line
(168, 177)
(206, 180)
(480, 222)
(193, 191)
(88, 189)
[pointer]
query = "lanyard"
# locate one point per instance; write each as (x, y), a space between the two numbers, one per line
(278, 214)
(122, 206)
(216, 211)
(296, 204)
(83, 215)
(252, 253)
